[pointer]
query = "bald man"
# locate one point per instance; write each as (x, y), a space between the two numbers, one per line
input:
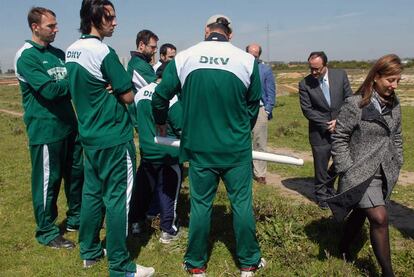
(267, 102)
(215, 151)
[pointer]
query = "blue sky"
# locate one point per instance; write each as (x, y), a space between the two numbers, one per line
(344, 29)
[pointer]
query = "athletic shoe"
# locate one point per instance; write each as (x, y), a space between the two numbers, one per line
(137, 228)
(151, 217)
(195, 272)
(323, 205)
(61, 242)
(142, 271)
(248, 272)
(92, 262)
(167, 238)
(72, 229)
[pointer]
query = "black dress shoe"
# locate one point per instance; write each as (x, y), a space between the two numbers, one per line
(331, 192)
(61, 242)
(323, 205)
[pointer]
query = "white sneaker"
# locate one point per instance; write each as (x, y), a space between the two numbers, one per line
(246, 273)
(167, 238)
(251, 273)
(199, 275)
(262, 263)
(143, 271)
(90, 263)
(70, 229)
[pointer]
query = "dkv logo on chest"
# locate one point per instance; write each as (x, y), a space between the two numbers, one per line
(214, 60)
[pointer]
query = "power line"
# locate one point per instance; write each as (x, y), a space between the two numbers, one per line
(267, 41)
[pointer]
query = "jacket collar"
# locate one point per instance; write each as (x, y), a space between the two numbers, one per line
(141, 56)
(86, 36)
(38, 46)
(370, 113)
(216, 37)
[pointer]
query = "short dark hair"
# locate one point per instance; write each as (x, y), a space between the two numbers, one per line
(222, 24)
(160, 69)
(164, 48)
(320, 54)
(145, 36)
(35, 15)
(92, 12)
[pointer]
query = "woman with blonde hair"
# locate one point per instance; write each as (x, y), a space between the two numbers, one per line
(368, 155)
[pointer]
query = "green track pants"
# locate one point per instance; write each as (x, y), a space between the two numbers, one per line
(203, 188)
(109, 177)
(50, 163)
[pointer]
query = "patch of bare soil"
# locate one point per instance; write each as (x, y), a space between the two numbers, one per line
(276, 181)
(285, 89)
(408, 78)
(300, 190)
(304, 155)
(406, 178)
(292, 75)
(9, 81)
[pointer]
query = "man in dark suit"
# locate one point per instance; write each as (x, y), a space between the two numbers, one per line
(322, 94)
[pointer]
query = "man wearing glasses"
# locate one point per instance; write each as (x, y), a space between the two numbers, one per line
(139, 65)
(322, 93)
(142, 74)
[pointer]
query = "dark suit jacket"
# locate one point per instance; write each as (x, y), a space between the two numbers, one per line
(315, 107)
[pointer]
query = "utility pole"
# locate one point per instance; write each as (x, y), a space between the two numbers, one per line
(267, 42)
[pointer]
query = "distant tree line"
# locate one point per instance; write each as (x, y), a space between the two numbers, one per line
(353, 64)
(300, 65)
(9, 71)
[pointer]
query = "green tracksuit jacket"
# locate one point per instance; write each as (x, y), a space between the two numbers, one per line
(220, 90)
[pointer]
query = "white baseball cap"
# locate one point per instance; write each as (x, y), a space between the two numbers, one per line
(214, 19)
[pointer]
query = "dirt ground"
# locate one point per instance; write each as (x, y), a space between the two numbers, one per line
(406, 178)
(287, 83)
(9, 81)
(301, 191)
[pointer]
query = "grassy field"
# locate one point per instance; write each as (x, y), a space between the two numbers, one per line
(296, 237)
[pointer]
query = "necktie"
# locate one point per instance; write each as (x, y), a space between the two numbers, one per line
(325, 90)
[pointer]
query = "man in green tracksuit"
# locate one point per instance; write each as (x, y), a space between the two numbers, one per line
(143, 76)
(139, 66)
(159, 174)
(220, 89)
(106, 133)
(51, 128)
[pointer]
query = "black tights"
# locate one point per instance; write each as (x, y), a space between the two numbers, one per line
(378, 230)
